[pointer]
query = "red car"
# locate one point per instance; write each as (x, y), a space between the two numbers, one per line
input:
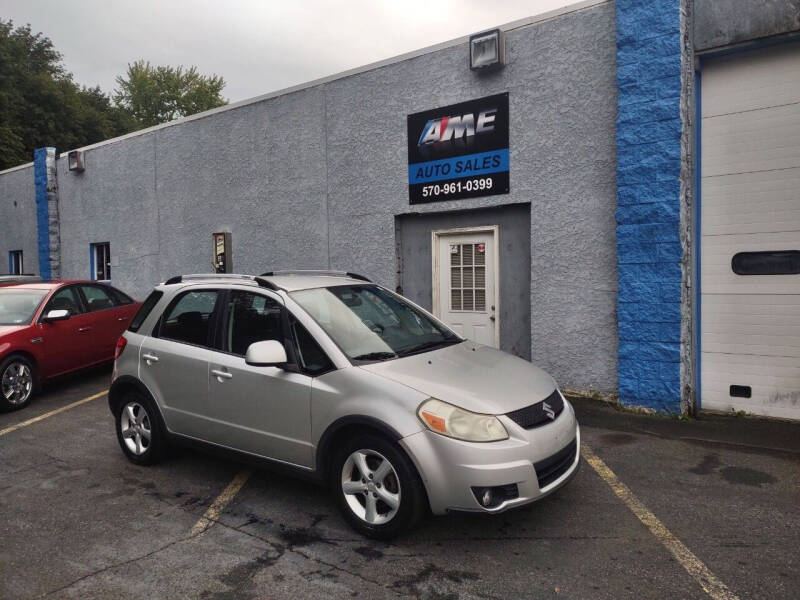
(48, 329)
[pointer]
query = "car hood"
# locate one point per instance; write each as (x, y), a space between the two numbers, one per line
(472, 376)
(9, 329)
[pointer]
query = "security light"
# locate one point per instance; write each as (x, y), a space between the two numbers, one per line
(75, 160)
(487, 50)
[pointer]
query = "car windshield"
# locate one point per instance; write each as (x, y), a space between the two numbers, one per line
(371, 324)
(17, 306)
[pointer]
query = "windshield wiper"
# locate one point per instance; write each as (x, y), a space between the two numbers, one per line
(375, 356)
(428, 346)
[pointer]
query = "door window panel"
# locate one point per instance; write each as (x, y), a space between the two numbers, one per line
(189, 318)
(251, 318)
(468, 277)
(311, 357)
(65, 299)
(97, 298)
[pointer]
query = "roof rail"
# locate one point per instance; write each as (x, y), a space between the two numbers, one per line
(233, 276)
(326, 272)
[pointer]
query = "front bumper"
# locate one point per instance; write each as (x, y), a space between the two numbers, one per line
(451, 468)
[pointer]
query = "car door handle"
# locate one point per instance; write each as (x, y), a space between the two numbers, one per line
(84, 329)
(122, 319)
(221, 374)
(150, 358)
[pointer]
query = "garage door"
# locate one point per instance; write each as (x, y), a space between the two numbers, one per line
(750, 232)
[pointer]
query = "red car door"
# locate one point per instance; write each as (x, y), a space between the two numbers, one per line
(65, 345)
(108, 320)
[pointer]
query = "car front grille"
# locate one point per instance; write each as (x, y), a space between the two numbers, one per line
(551, 468)
(537, 414)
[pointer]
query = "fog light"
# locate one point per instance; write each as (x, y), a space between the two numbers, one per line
(486, 497)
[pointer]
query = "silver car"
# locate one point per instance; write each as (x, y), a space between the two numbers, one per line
(345, 382)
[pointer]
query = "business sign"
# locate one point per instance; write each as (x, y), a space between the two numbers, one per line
(459, 151)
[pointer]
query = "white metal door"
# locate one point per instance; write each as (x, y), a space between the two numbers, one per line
(465, 282)
(750, 177)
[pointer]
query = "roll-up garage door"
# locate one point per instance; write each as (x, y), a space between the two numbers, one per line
(750, 232)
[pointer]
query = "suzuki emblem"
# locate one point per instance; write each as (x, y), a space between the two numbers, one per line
(548, 410)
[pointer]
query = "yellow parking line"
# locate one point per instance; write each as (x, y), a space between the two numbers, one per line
(216, 508)
(693, 565)
(47, 415)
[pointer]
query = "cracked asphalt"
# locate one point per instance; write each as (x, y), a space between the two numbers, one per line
(78, 521)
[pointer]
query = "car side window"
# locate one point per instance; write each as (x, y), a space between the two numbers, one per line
(65, 299)
(251, 318)
(97, 298)
(119, 297)
(311, 357)
(188, 319)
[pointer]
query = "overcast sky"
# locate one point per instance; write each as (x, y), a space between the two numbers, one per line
(257, 46)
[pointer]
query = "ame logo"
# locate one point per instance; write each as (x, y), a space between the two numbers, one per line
(456, 127)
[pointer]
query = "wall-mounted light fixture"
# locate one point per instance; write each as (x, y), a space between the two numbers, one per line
(75, 161)
(487, 50)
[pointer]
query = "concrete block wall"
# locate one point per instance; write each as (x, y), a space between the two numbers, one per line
(649, 128)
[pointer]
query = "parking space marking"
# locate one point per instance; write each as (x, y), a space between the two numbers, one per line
(212, 512)
(693, 565)
(47, 415)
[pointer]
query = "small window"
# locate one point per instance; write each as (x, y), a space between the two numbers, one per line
(778, 262)
(119, 297)
(97, 298)
(101, 261)
(144, 310)
(188, 319)
(65, 299)
(468, 277)
(15, 264)
(311, 357)
(251, 318)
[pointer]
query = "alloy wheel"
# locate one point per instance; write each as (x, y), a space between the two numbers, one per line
(17, 383)
(371, 487)
(134, 423)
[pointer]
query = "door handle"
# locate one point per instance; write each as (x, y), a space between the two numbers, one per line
(150, 358)
(84, 329)
(221, 374)
(122, 319)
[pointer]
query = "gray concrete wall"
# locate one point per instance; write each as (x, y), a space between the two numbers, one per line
(18, 219)
(514, 222)
(723, 22)
(314, 178)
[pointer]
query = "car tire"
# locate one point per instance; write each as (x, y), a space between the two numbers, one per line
(18, 382)
(139, 430)
(369, 475)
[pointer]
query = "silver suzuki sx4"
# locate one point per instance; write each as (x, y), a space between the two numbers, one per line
(342, 381)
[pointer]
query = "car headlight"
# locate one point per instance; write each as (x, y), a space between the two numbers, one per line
(461, 424)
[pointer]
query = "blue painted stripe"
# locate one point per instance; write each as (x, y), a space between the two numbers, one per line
(42, 212)
(470, 165)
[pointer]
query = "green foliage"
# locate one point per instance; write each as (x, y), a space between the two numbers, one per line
(156, 95)
(40, 104)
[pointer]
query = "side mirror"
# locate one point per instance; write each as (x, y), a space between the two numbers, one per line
(56, 315)
(269, 353)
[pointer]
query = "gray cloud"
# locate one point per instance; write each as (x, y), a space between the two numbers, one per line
(257, 46)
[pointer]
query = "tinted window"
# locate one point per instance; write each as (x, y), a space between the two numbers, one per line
(119, 297)
(188, 319)
(65, 299)
(97, 298)
(311, 357)
(145, 309)
(251, 318)
(779, 262)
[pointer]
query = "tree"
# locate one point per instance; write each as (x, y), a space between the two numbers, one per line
(154, 95)
(40, 104)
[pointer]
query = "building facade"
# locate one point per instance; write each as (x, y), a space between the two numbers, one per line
(638, 240)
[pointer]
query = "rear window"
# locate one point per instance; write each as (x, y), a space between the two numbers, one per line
(144, 310)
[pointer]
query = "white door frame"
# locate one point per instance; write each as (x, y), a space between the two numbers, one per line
(438, 233)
